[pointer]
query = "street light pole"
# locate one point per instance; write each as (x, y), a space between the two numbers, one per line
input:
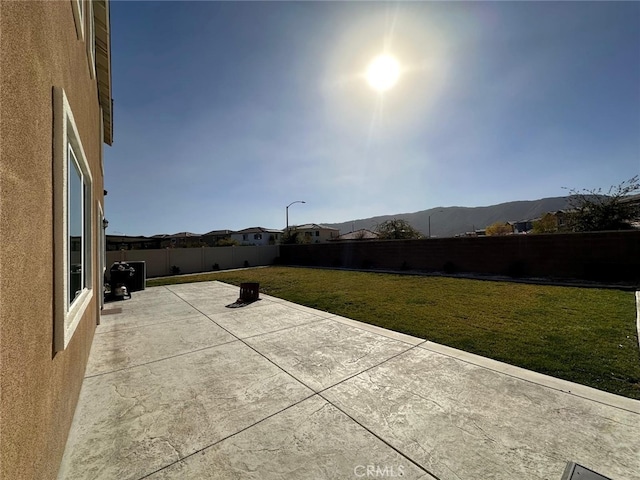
(287, 210)
(430, 222)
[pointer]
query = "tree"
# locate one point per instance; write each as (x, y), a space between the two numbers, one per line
(499, 228)
(227, 242)
(291, 237)
(591, 210)
(397, 229)
(548, 223)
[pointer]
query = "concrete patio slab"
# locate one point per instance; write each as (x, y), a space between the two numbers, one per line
(275, 390)
(401, 337)
(117, 349)
(459, 420)
(132, 422)
(264, 317)
(147, 313)
(327, 352)
(309, 441)
(576, 389)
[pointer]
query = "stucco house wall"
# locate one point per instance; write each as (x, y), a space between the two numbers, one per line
(40, 50)
(257, 236)
(313, 233)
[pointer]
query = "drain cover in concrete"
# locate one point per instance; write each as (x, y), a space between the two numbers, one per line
(573, 471)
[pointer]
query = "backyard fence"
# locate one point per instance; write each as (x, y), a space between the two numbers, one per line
(161, 262)
(598, 256)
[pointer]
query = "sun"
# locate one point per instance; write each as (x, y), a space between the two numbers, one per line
(383, 73)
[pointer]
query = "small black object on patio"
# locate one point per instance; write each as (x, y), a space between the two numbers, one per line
(249, 293)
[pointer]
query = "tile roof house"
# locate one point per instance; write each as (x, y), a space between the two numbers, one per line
(56, 110)
(314, 233)
(362, 234)
(181, 239)
(214, 236)
(257, 236)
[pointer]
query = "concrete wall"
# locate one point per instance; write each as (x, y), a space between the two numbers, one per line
(196, 260)
(39, 49)
(602, 256)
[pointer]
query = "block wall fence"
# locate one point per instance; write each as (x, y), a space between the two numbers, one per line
(196, 260)
(597, 256)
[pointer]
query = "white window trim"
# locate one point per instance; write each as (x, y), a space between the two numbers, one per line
(101, 144)
(102, 255)
(67, 317)
(78, 16)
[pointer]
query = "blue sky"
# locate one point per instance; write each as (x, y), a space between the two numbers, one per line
(225, 112)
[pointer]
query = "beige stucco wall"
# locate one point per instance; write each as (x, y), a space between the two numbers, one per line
(39, 49)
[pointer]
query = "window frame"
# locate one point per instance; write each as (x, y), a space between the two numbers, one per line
(68, 313)
(102, 254)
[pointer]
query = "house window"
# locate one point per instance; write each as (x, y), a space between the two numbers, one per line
(73, 224)
(317, 233)
(76, 205)
(77, 7)
(257, 236)
(245, 236)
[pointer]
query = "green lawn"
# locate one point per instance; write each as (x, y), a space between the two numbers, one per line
(583, 335)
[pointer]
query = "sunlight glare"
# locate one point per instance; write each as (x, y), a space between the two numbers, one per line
(383, 73)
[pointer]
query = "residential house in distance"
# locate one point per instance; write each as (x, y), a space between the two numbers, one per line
(362, 234)
(214, 236)
(314, 233)
(126, 242)
(522, 226)
(257, 236)
(179, 240)
(56, 111)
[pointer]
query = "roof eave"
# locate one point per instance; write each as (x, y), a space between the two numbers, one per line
(103, 65)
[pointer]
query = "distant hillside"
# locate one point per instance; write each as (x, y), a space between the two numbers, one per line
(450, 221)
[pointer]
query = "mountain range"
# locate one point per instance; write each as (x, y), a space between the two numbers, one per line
(451, 221)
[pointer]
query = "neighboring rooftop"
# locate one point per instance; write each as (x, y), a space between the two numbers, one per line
(362, 234)
(258, 230)
(312, 226)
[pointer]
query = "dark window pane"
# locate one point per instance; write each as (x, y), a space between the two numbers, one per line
(74, 211)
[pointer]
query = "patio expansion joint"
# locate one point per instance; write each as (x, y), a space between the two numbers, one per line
(233, 434)
(161, 359)
(371, 432)
(313, 394)
(312, 321)
(318, 393)
(245, 343)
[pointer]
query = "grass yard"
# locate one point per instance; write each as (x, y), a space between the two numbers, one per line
(583, 335)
